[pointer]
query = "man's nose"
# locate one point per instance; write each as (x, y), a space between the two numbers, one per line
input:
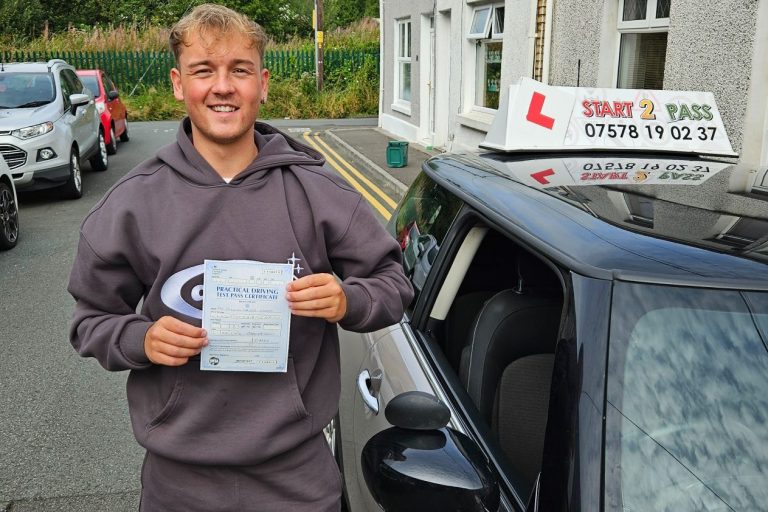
(223, 84)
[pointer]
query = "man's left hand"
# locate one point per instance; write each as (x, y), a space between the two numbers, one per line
(317, 295)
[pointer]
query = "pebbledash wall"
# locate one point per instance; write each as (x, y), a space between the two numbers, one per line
(711, 45)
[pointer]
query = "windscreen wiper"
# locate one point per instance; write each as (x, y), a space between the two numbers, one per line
(35, 103)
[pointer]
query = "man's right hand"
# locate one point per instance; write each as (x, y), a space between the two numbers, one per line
(171, 342)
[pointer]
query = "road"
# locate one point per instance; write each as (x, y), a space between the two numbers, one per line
(65, 439)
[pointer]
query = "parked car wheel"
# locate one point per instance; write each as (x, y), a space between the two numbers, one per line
(99, 161)
(9, 218)
(73, 188)
(124, 136)
(112, 146)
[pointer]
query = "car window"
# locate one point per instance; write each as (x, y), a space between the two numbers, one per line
(496, 319)
(108, 84)
(74, 81)
(687, 399)
(420, 226)
(66, 90)
(92, 83)
(26, 90)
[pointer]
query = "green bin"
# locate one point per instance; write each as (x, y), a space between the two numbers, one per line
(397, 153)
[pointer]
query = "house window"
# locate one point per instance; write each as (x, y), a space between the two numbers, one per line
(403, 63)
(487, 30)
(643, 27)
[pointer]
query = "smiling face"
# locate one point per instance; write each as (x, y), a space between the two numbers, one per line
(222, 84)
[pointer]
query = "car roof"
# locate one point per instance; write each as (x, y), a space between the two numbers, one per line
(710, 229)
(88, 72)
(35, 67)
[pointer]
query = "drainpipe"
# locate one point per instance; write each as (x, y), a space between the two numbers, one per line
(381, 60)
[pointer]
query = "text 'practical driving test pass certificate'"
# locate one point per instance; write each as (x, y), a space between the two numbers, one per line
(246, 315)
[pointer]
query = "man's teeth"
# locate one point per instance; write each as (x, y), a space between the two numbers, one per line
(223, 108)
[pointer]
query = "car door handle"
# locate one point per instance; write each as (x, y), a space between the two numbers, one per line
(363, 383)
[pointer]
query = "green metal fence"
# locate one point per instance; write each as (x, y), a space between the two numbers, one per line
(148, 68)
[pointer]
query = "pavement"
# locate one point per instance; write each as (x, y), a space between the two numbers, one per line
(370, 145)
(358, 152)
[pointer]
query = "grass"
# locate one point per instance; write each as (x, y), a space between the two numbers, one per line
(361, 34)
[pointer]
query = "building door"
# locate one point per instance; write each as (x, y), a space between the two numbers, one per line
(427, 89)
(442, 80)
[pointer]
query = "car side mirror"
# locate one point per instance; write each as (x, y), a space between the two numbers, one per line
(423, 242)
(420, 464)
(78, 100)
(113, 95)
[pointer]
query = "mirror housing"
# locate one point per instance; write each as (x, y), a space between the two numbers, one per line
(415, 470)
(420, 464)
(418, 411)
(78, 100)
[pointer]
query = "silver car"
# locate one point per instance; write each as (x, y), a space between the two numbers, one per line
(48, 125)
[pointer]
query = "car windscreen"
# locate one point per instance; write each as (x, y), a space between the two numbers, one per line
(26, 90)
(91, 83)
(687, 411)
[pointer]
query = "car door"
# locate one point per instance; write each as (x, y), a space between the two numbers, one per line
(115, 106)
(481, 336)
(379, 366)
(85, 122)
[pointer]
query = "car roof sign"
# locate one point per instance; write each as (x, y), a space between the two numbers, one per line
(533, 116)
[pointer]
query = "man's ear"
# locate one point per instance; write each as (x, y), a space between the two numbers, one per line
(264, 84)
(178, 92)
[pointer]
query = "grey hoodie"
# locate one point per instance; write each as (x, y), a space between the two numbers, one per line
(147, 239)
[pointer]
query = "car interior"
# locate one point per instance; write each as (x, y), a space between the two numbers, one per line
(496, 319)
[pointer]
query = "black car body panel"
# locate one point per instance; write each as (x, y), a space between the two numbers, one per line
(587, 240)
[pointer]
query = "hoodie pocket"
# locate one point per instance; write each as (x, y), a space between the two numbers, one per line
(298, 402)
(170, 404)
(232, 418)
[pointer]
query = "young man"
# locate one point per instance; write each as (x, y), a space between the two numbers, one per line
(229, 441)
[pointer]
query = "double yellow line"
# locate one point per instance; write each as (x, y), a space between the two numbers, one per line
(354, 177)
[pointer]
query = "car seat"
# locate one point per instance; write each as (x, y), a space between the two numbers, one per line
(509, 369)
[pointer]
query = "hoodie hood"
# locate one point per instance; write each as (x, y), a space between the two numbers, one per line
(276, 150)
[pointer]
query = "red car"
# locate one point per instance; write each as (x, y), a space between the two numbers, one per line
(114, 116)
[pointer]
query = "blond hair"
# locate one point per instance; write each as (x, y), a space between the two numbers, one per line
(211, 22)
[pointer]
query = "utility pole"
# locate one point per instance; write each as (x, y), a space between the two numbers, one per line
(319, 43)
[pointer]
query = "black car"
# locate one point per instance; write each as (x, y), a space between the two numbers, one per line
(591, 335)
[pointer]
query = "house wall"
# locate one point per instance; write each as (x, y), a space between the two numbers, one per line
(709, 49)
(400, 121)
(576, 40)
(713, 45)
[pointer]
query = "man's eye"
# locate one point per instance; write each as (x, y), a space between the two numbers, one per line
(202, 72)
(241, 71)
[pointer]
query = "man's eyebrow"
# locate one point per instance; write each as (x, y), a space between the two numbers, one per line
(207, 62)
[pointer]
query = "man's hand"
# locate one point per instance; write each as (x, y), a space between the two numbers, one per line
(171, 342)
(318, 295)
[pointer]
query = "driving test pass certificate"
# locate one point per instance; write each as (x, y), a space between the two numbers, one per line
(246, 315)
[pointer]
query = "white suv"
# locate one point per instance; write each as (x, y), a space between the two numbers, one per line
(9, 209)
(48, 124)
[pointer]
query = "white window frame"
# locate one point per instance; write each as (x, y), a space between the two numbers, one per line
(491, 33)
(399, 104)
(646, 25)
(483, 34)
(650, 23)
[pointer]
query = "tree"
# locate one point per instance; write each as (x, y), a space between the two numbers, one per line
(342, 13)
(24, 18)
